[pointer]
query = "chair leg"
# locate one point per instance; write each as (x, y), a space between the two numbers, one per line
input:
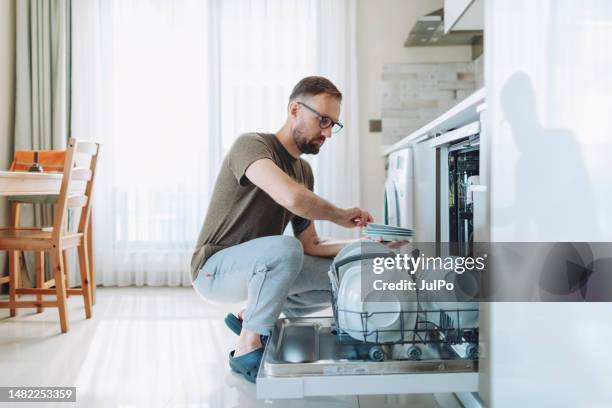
(66, 269)
(14, 259)
(40, 277)
(85, 282)
(92, 264)
(14, 216)
(60, 287)
(14, 272)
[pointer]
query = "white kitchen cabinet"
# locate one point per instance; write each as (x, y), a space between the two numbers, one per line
(424, 196)
(548, 67)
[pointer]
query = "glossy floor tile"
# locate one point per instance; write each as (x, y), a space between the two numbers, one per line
(144, 347)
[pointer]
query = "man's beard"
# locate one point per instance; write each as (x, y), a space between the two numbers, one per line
(306, 146)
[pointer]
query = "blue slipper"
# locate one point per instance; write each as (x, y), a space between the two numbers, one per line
(247, 364)
(233, 323)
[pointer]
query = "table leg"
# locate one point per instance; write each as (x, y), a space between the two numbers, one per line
(14, 260)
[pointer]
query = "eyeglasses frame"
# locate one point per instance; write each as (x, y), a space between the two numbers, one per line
(322, 117)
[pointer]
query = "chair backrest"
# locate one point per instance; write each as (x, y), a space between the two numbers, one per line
(77, 185)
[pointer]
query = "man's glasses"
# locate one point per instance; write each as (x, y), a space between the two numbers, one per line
(324, 121)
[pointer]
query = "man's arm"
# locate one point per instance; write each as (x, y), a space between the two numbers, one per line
(316, 246)
(298, 199)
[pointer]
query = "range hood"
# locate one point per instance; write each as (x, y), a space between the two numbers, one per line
(429, 31)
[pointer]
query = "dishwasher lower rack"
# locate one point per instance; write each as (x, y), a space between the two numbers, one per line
(307, 357)
(443, 326)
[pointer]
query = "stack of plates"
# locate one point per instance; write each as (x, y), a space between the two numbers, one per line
(370, 318)
(388, 233)
(374, 320)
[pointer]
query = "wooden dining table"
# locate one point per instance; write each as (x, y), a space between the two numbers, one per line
(17, 183)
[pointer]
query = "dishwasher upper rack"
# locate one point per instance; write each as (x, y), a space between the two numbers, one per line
(448, 329)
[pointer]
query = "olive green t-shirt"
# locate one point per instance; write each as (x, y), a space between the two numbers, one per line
(239, 211)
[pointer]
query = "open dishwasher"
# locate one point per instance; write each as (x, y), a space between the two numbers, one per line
(314, 356)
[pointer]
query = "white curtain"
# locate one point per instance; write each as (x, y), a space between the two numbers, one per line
(166, 86)
(42, 101)
(336, 167)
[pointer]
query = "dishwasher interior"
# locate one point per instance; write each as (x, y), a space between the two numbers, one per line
(313, 346)
(463, 163)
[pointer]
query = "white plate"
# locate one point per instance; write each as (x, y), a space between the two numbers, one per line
(374, 233)
(356, 248)
(389, 238)
(350, 308)
(390, 231)
(388, 227)
(349, 301)
(469, 319)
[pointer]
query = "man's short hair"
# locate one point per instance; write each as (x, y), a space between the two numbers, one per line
(315, 85)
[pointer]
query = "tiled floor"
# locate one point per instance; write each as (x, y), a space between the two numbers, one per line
(144, 347)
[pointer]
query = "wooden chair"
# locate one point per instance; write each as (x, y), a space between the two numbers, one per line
(51, 161)
(39, 265)
(75, 192)
(16, 203)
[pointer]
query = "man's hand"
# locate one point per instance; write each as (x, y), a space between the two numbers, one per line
(352, 217)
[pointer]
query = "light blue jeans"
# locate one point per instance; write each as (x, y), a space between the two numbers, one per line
(272, 274)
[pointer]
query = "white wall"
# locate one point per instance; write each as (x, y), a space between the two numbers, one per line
(382, 28)
(7, 80)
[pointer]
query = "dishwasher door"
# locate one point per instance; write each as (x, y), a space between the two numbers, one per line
(305, 357)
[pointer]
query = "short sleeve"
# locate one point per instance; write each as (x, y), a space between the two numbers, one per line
(247, 149)
(299, 224)
(309, 177)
